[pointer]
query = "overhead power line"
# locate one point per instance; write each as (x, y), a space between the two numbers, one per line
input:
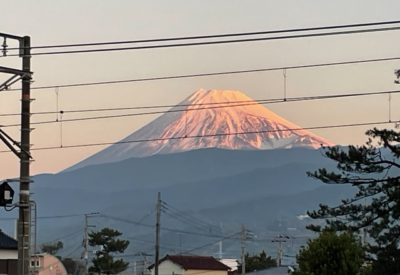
(172, 77)
(185, 217)
(167, 39)
(164, 228)
(202, 106)
(216, 42)
(203, 43)
(48, 217)
(376, 123)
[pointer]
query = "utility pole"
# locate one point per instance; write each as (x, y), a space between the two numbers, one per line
(24, 217)
(220, 254)
(86, 245)
(86, 240)
(33, 227)
(144, 264)
(243, 247)
(280, 239)
(24, 195)
(157, 254)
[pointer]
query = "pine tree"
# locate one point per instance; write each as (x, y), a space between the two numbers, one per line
(104, 262)
(258, 262)
(52, 248)
(374, 169)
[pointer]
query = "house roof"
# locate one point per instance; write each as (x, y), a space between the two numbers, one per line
(271, 271)
(195, 262)
(6, 242)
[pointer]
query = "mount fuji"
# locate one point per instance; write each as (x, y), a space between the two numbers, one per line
(221, 119)
(207, 156)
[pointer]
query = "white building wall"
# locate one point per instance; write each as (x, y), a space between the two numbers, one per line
(205, 272)
(169, 268)
(8, 254)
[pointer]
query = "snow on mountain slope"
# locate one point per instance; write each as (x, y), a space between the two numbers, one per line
(210, 119)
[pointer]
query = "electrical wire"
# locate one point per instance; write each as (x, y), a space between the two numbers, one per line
(357, 25)
(73, 251)
(211, 42)
(182, 219)
(222, 104)
(185, 217)
(70, 235)
(164, 228)
(141, 107)
(211, 243)
(50, 217)
(333, 126)
(83, 84)
(213, 105)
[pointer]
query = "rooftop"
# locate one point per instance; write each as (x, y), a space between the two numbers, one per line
(6, 242)
(195, 262)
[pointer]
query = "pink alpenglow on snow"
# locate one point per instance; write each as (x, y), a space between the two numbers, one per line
(211, 119)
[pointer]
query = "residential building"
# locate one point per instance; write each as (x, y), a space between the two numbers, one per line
(190, 265)
(41, 264)
(8, 254)
(46, 264)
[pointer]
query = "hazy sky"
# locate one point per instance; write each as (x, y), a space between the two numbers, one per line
(50, 22)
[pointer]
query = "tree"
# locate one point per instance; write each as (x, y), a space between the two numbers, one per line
(258, 262)
(374, 169)
(73, 266)
(331, 254)
(52, 248)
(104, 261)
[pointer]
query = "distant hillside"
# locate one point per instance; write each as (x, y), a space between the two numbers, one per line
(224, 187)
(163, 170)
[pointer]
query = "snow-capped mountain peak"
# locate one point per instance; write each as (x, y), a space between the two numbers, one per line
(210, 119)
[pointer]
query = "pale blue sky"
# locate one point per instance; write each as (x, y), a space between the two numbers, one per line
(72, 21)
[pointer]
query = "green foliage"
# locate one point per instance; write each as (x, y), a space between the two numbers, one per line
(104, 262)
(259, 262)
(52, 248)
(331, 254)
(374, 169)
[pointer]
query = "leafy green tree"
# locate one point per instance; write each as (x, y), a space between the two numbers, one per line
(374, 169)
(52, 248)
(104, 262)
(331, 254)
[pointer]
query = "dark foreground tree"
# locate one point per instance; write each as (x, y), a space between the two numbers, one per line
(374, 169)
(104, 262)
(331, 254)
(73, 266)
(258, 262)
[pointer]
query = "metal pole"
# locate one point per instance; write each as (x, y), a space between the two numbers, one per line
(24, 201)
(157, 254)
(86, 239)
(86, 245)
(33, 227)
(243, 239)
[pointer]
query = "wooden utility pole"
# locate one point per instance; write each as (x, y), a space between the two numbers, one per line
(24, 193)
(157, 248)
